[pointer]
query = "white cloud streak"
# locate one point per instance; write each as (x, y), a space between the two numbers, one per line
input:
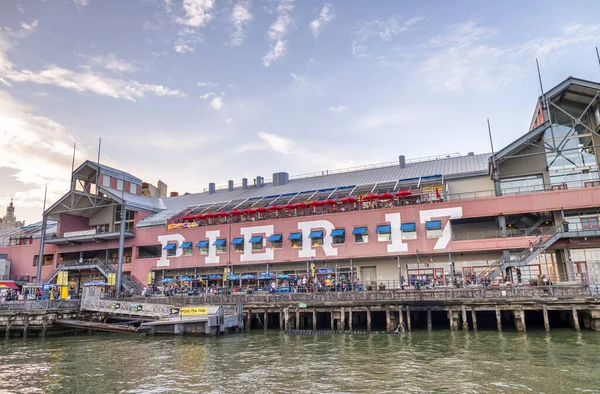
(210, 84)
(325, 16)
(112, 63)
(217, 103)
(240, 17)
(197, 13)
(378, 30)
(339, 108)
(278, 31)
(299, 80)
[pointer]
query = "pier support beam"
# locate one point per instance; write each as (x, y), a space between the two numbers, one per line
(595, 320)
(520, 320)
(465, 322)
(314, 318)
(44, 328)
(400, 319)
(281, 321)
(298, 319)
(453, 316)
(546, 320)
(249, 319)
(8, 324)
(498, 319)
(576, 319)
(265, 319)
(332, 315)
(388, 319)
(474, 318)
(429, 326)
(342, 326)
(408, 318)
(368, 319)
(286, 317)
(350, 319)
(26, 326)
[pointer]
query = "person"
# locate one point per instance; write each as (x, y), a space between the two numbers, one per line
(518, 275)
(531, 246)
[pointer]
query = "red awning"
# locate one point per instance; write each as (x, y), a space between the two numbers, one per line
(10, 285)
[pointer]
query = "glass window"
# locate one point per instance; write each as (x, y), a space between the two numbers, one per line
(590, 223)
(524, 184)
(222, 248)
(132, 188)
(316, 242)
(149, 251)
(382, 237)
(597, 116)
(297, 243)
(105, 180)
(339, 239)
(238, 247)
(276, 244)
(187, 251)
(361, 238)
(203, 249)
(119, 184)
(171, 249)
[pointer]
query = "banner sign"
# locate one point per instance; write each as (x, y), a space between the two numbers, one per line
(79, 233)
(177, 226)
(189, 311)
(112, 279)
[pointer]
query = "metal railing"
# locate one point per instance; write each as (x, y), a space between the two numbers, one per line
(32, 305)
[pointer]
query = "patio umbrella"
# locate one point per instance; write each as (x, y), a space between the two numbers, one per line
(289, 206)
(403, 193)
(187, 218)
(248, 276)
(210, 215)
(370, 197)
(222, 214)
(386, 196)
(261, 210)
(274, 208)
(198, 216)
(234, 277)
(184, 278)
(284, 276)
(236, 212)
(166, 280)
(349, 200)
(248, 211)
(301, 204)
(96, 283)
(329, 201)
(313, 203)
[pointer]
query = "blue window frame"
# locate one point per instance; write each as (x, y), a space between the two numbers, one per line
(338, 232)
(295, 236)
(359, 231)
(256, 239)
(408, 227)
(433, 225)
(275, 238)
(384, 229)
(316, 234)
(202, 244)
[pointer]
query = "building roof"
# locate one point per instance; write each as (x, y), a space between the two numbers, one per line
(32, 230)
(452, 167)
(110, 171)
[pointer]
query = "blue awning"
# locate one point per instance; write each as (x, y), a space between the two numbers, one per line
(185, 245)
(384, 229)
(295, 236)
(237, 241)
(338, 232)
(433, 225)
(256, 239)
(202, 244)
(275, 238)
(170, 247)
(316, 234)
(220, 242)
(406, 227)
(359, 231)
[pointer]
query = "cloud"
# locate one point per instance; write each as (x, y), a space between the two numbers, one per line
(81, 3)
(463, 58)
(299, 80)
(229, 120)
(207, 95)
(217, 103)
(112, 63)
(197, 13)
(339, 108)
(278, 31)
(30, 26)
(240, 17)
(211, 84)
(325, 16)
(378, 31)
(39, 94)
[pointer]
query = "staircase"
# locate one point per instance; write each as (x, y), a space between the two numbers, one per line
(127, 282)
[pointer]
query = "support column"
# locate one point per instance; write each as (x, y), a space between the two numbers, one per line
(249, 320)
(342, 326)
(498, 319)
(465, 322)
(429, 326)
(286, 317)
(265, 319)
(350, 319)
(546, 320)
(408, 318)
(520, 320)
(26, 326)
(297, 318)
(576, 319)
(314, 318)
(8, 324)
(40, 262)
(368, 319)
(453, 316)
(474, 318)
(121, 247)
(44, 328)
(332, 315)
(281, 321)
(388, 320)
(400, 319)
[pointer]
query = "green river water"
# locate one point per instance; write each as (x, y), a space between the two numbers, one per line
(563, 361)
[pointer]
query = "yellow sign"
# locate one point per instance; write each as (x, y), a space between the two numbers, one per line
(193, 311)
(226, 273)
(150, 277)
(64, 292)
(62, 278)
(177, 226)
(112, 279)
(312, 269)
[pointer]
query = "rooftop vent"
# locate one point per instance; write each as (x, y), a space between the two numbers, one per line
(402, 161)
(230, 185)
(211, 188)
(174, 194)
(471, 154)
(260, 181)
(244, 183)
(281, 178)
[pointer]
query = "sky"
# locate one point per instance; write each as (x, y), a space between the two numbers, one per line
(199, 91)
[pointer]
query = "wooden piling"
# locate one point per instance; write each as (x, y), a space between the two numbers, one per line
(25, 327)
(388, 319)
(546, 320)
(8, 324)
(498, 319)
(314, 319)
(44, 328)
(350, 319)
(400, 319)
(249, 319)
(465, 322)
(297, 318)
(281, 321)
(368, 319)
(408, 317)
(265, 319)
(429, 326)
(332, 315)
(575, 319)
(286, 317)
(342, 326)
(474, 318)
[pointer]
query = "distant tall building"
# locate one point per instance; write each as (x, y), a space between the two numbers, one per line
(9, 220)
